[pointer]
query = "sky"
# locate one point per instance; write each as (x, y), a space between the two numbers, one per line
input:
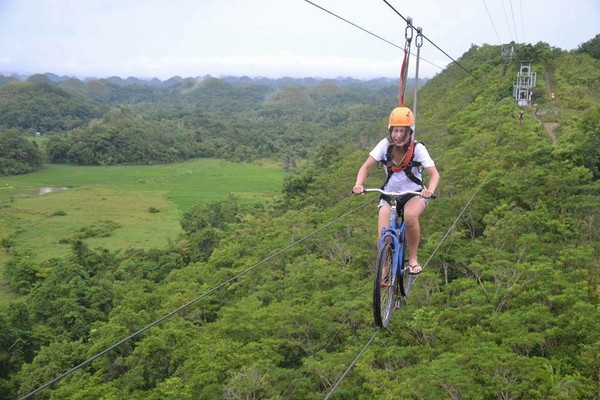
(271, 38)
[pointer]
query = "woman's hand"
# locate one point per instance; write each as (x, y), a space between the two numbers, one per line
(358, 189)
(426, 193)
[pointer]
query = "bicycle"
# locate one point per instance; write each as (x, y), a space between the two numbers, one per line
(391, 279)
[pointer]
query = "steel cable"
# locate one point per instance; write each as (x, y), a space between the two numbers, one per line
(189, 303)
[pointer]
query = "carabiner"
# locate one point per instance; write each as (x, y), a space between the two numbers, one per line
(419, 40)
(408, 32)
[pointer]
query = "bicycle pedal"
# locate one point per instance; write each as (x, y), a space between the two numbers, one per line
(398, 304)
(385, 282)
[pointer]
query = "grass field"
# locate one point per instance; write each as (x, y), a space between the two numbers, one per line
(120, 197)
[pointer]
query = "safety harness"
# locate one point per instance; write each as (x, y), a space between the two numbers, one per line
(407, 166)
(409, 163)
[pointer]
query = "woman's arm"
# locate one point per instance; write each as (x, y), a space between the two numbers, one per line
(363, 172)
(434, 179)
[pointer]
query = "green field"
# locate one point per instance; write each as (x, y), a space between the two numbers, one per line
(120, 196)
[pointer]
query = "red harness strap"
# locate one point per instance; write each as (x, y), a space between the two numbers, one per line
(407, 158)
(408, 34)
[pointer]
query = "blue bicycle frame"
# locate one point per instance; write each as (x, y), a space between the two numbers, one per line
(395, 231)
(390, 281)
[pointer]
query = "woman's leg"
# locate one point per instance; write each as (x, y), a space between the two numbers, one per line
(412, 211)
(383, 219)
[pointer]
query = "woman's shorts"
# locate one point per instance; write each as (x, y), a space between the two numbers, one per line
(400, 202)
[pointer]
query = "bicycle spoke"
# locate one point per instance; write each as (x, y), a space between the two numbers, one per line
(384, 286)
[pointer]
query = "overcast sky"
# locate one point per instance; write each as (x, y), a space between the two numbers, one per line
(272, 38)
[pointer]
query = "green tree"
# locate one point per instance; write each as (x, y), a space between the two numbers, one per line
(591, 47)
(17, 154)
(42, 106)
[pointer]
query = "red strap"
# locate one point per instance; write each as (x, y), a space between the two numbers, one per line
(403, 73)
(407, 158)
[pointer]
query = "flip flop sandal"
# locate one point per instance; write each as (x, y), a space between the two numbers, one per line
(410, 268)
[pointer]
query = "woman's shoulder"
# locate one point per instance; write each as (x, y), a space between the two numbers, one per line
(420, 146)
(383, 144)
(422, 155)
(380, 150)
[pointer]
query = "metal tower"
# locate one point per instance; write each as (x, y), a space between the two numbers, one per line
(526, 80)
(508, 51)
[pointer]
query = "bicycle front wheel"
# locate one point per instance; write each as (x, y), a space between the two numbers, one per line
(407, 282)
(384, 286)
(406, 279)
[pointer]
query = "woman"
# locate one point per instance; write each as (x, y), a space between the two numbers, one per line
(403, 158)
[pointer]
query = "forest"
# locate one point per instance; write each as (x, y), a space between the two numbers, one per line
(115, 122)
(277, 295)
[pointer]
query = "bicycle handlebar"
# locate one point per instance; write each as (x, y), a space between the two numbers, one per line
(396, 194)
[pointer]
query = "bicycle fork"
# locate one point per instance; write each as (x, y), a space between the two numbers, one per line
(399, 263)
(395, 238)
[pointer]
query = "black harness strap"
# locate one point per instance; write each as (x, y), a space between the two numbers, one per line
(389, 163)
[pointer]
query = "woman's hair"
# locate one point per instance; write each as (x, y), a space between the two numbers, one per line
(410, 129)
(407, 144)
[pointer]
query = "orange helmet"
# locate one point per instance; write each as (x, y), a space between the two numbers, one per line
(401, 116)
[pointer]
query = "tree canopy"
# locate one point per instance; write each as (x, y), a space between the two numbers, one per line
(507, 306)
(17, 154)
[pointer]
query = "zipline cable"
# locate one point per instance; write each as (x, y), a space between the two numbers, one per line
(512, 14)
(522, 23)
(424, 266)
(409, 23)
(454, 223)
(404, 73)
(432, 43)
(447, 232)
(352, 364)
(496, 164)
(189, 303)
(367, 31)
(353, 24)
(506, 19)
(426, 263)
(214, 289)
(492, 21)
(287, 395)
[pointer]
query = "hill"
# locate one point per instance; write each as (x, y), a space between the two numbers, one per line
(114, 121)
(507, 306)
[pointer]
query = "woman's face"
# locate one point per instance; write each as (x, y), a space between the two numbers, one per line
(400, 135)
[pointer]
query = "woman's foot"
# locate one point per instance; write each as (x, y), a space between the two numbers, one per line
(415, 269)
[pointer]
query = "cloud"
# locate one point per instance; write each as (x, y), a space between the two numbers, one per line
(281, 64)
(271, 66)
(270, 38)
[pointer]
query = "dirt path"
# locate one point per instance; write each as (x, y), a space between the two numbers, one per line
(550, 127)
